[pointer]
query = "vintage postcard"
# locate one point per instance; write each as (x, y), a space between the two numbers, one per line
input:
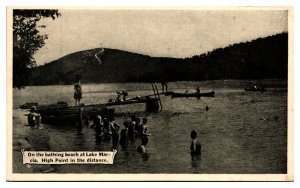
(150, 94)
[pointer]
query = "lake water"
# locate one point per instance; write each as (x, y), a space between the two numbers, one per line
(242, 132)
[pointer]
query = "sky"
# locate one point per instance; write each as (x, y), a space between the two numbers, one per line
(158, 33)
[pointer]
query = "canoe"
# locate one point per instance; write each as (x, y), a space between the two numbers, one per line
(130, 101)
(177, 95)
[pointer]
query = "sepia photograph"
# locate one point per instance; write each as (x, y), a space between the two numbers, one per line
(137, 94)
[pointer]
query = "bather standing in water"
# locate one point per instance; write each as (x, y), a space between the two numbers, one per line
(34, 118)
(131, 128)
(77, 93)
(195, 145)
(115, 134)
(142, 147)
(124, 140)
(106, 126)
(138, 125)
(143, 128)
(98, 125)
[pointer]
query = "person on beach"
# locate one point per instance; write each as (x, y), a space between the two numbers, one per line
(124, 140)
(34, 118)
(164, 84)
(195, 145)
(77, 92)
(142, 147)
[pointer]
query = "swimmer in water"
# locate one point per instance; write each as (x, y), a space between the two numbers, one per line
(142, 147)
(195, 145)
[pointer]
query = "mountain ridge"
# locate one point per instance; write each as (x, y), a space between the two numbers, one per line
(257, 59)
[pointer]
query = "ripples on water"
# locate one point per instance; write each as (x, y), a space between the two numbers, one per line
(242, 132)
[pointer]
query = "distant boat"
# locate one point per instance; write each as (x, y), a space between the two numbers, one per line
(197, 95)
(255, 88)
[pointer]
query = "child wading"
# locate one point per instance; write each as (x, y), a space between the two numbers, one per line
(195, 145)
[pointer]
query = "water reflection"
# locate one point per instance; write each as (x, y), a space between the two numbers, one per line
(123, 147)
(195, 160)
(79, 137)
(98, 140)
(145, 157)
(115, 142)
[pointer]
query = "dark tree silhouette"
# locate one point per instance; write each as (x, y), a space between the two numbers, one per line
(26, 41)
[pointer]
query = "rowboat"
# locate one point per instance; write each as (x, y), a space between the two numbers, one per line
(62, 113)
(29, 105)
(197, 95)
(73, 115)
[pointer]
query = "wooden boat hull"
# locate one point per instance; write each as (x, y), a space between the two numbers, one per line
(178, 95)
(57, 114)
(31, 104)
(62, 113)
(67, 116)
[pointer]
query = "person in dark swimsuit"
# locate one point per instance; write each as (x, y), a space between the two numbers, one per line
(143, 128)
(131, 128)
(124, 140)
(138, 124)
(106, 126)
(34, 118)
(195, 145)
(115, 134)
(142, 147)
(164, 84)
(198, 90)
(77, 93)
(97, 125)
